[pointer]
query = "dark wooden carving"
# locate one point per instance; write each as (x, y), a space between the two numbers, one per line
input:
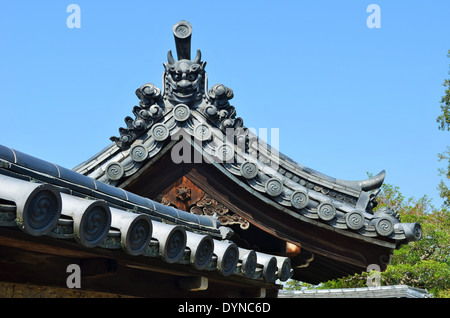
(209, 206)
(182, 194)
(185, 195)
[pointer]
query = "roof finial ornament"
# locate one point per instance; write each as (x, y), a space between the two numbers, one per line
(182, 32)
(185, 84)
(184, 79)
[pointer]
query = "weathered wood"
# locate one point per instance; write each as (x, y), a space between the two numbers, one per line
(187, 196)
(16, 239)
(183, 193)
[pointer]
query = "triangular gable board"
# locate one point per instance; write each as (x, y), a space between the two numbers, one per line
(186, 144)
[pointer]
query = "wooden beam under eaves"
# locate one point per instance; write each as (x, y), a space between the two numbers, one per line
(193, 283)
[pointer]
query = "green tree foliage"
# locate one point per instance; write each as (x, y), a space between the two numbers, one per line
(444, 124)
(423, 264)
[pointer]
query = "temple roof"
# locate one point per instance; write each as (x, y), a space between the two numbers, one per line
(186, 109)
(395, 291)
(111, 202)
(45, 199)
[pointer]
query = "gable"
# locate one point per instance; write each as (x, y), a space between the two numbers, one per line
(187, 130)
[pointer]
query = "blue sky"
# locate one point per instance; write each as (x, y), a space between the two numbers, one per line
(347, 99)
